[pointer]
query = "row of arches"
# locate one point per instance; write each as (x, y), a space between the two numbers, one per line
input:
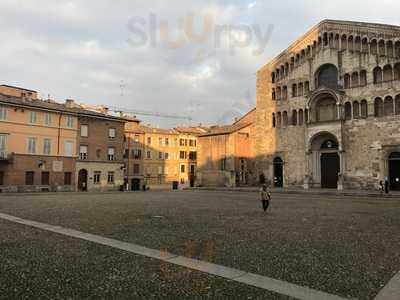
(298, 90)
(387, 106)
(350, 42)
(387, 73)
(356, 79)
(297, 118)
(356, 110)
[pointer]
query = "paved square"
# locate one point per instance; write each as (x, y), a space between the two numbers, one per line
(345, 247)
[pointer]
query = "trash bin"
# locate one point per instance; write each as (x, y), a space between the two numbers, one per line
(175, 185)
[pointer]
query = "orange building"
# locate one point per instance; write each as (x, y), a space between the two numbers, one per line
(226, 154)
(37, 143)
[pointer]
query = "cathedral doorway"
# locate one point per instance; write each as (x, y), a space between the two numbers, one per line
(278, 172)
(394, 171)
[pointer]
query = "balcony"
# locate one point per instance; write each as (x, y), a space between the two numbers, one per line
(6, 158)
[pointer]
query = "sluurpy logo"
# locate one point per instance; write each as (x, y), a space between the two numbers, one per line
(155, 31)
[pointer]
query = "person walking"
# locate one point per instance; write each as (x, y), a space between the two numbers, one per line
(381, 187)
(265, 196)
(386, 186)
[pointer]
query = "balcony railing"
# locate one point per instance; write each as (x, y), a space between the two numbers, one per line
(6, 157)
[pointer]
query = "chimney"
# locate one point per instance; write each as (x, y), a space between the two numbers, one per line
(69, 103)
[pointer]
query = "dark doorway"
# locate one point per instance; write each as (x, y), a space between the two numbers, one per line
(330, 168)
(278, 172)
(135, 185)
(82, 180)
(394, 171)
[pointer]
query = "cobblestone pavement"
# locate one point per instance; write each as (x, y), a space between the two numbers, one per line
(343, 246)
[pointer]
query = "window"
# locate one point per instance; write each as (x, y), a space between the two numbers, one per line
(149, 141)
(160, 155)
(183, 169)
(3, 114)
(192, 155)
(47, 146)
(327, 76)
(182, 154)
(32, 145)
(364, 109)
(166, 155)
(356, 110)
(378, 75)
(67, 178)
(191, 143)
(294, 118)
(45, 178)
(378, 105)
(160, 142)
(347, 111)
(83, 152)
(166, 142)
(3, 146)
(136, 169)
(33, 117)
(96, 177)
(182, 181)
(112, 133)
(84, 130)
(69, 149)
(181, 142)
(136, 154)
(47, 119)
(110, 178)
(29, 178)
(388, 106)
(148, 155)
(70, 122)
(111, 154)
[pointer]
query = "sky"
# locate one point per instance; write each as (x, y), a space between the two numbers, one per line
(194, 58)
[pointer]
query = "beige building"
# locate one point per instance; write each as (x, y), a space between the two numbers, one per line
(226, 154)
(157, 157)
(328, 109)
(37, 143)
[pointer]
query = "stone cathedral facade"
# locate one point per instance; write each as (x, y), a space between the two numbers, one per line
(328, 109)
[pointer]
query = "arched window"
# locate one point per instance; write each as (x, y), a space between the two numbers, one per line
(363, 78)
(306, 117)
(347, 111)
(282, 71)
(308, 51)
(327, 76)
(397, 71)
(287, 69)
(378, 106)
(325, 39)
(301, 117)
(294, 118)
(388, 106)
(291, 64)
(357, 44)
(344, 42)
(331, 41)
(285, 119)
(390, 48)
(397, 105)
(278, 93)
(364, 109)
(297, 60)
(356, 110)
(278, 75)
(351, 43)
(337, 38)
(273, 94)
(284, 93)
(325, 109)
(307, 88)
(377, 75)
(273, 120)
(382, 48)
(397, 49)
(354, 80)
(273, 77)
(365, 45)
(387, 73)
(300, 90)
(294, 90)
(279, 120)
(347, 81)
(374, 47)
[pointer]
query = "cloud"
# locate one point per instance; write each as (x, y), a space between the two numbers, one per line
(80, 49)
